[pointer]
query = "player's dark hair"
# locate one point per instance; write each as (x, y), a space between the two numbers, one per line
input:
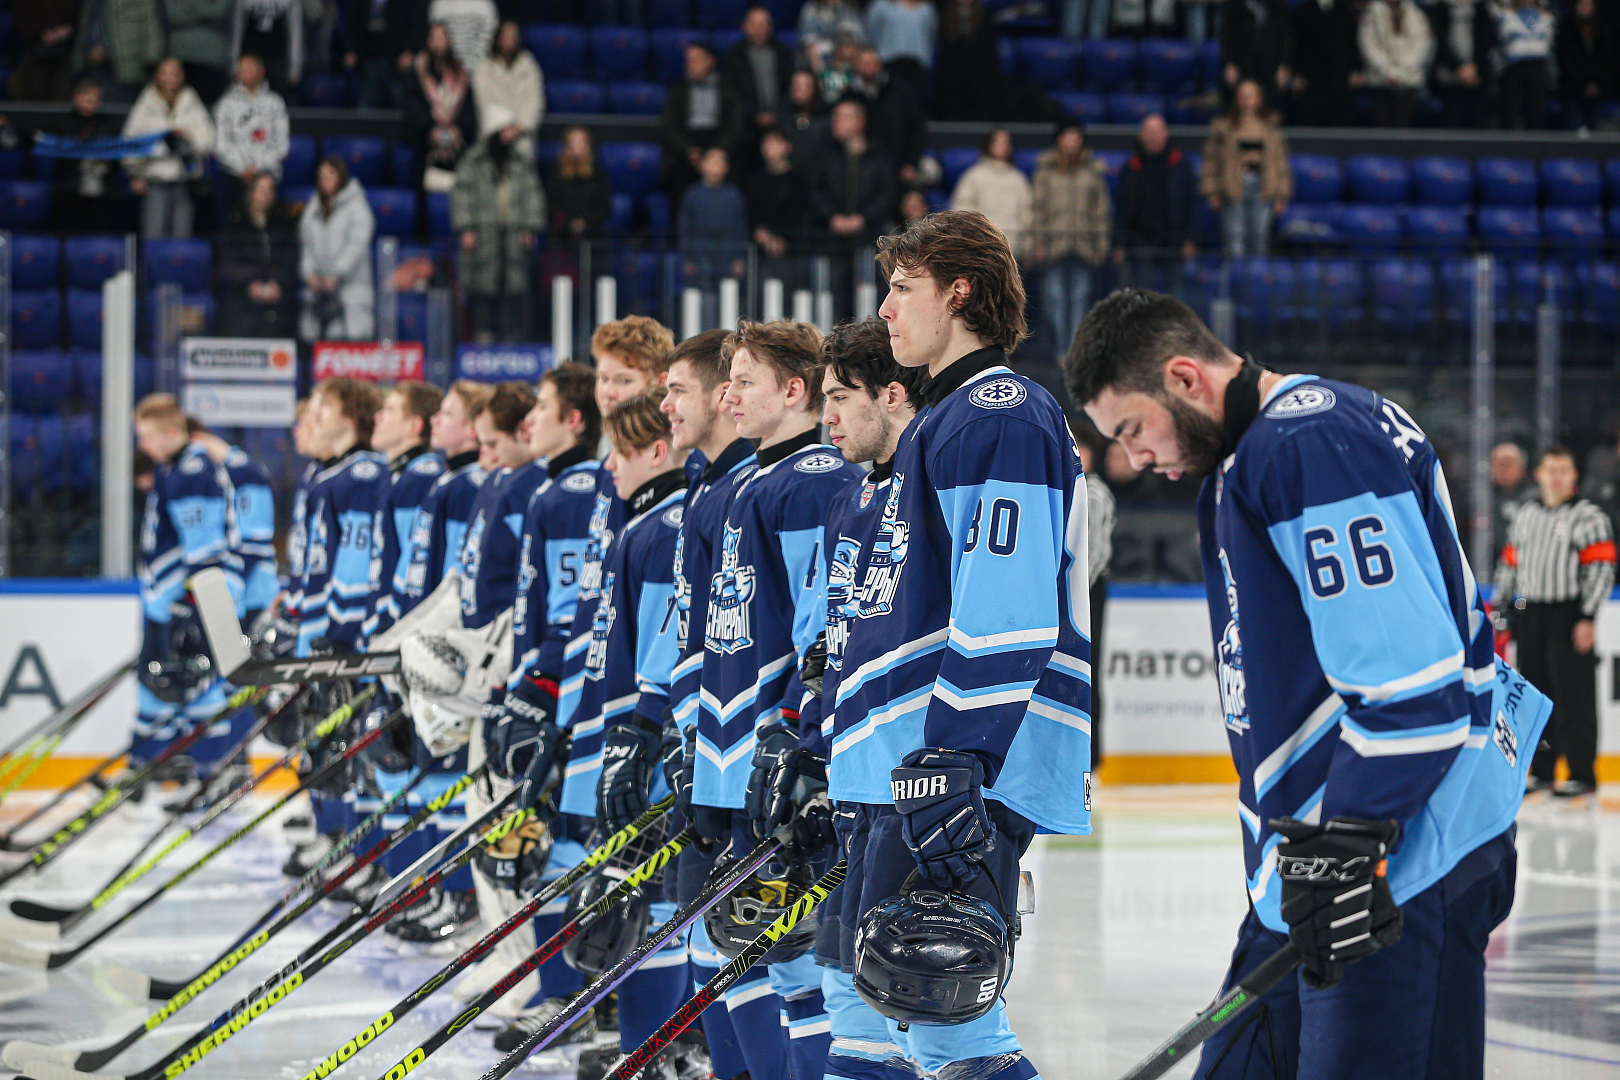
(421, 400)
(965, 244)
(636, 423)
(792, 350)
(508, 405)
(1559, 450)
(359, 401)
(705, 354)
(859, 356)
(575, 386)
(1125, 340)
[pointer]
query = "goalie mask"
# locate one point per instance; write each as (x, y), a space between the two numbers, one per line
(755, 904)
(517, 861)
(617, 931)
(932, 957)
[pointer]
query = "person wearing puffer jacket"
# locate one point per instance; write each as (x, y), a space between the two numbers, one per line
(162, 178)
(996, 188)
(509, 80)
(334, 258)
(1397, 47)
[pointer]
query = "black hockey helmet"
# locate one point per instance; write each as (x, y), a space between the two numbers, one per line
(517, 861)
(757, 902)
(611, 936)
(933, 957)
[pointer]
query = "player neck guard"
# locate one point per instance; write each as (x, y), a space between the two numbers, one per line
(1242, 403)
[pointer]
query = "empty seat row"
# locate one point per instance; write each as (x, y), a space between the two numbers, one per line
(51, 452)
(1454, 181)
(625, 52)
(1161, 65)
(1575, 231)
(1128, 107)
(38, 316)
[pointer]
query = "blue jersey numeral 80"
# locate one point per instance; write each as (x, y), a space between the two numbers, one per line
(1375, 565)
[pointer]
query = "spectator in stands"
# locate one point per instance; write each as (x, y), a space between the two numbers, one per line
(821, 24)
(913, 206)
(45, 31)
(1396, 47)
(272, 30)
(578, 191)
(852, 184)
(118, 44)
(250, 126)
(508, 79)
(1322, 59)
(1511, 488)
(334, 258)
(968, 50)
(82, 197)
(894, 111)
(200, 38)
(1526, 31)
(700, 112)
(1465, 39)
(998, 189)
(1246, 174)
(497, 207)
(777, 199)
(835, 75)
(440, 115)
(163, 178)
(1588, 60)
(804, 122)
(258, 265)
(713, 223)
(384, 36)
(1253, 44)
(1071, 219)
(1158, 207)
(758, 69)
(903, 32)
(471, 24)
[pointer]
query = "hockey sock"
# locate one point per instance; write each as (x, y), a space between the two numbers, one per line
(859, 1046)
(809, 1035)
(756, 1014)
(725, 1054)
(329, 813)
(652, 993)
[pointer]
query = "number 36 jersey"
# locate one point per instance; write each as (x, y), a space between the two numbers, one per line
(1353, 653)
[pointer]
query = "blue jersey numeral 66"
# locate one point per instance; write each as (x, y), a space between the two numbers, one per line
(1375, 566)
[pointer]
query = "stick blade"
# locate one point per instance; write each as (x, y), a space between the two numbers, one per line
(162, 989)
(217, 610)
(45, 1070)
(123, 982)
(42, 913)
(22, 1055)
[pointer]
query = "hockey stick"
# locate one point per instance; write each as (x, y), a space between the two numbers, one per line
(114, 796)
(67, 918)
(22, 1055)
(1174, 1050)
(718, 886)
(72, 708)
(49, 961)
(60, 722)
(612, 846)
(711, 991)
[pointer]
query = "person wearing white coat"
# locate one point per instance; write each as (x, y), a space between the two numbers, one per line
(163, 177)
(999, 190)
(334, 258)
(508, 85)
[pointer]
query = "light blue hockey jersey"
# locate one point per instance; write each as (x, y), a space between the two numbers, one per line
(189, 525)
(337, 561)
(1353, 652)
(607, 519)
(551, 556)
(255, 507)
(298, 543)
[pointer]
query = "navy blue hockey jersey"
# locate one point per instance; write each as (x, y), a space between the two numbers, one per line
(441, 526)
(298, 543)
(489, 554)
(337, 562)
(607, 518)
(188, 526)
(1353, 653)
(971, 625)
(624, 653)
(412, 477)
(767, 602)
(556, 537)
(255, 506)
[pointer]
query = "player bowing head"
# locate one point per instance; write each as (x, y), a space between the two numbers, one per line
(502, 438)
(564, 413)
(639, 433)
(869, 398)
(632, 355)
(453, 431)
(775, 390)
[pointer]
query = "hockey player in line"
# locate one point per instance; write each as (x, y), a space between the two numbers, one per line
(961, 715)
(1381, 747)
(255, 510)
(441, 523)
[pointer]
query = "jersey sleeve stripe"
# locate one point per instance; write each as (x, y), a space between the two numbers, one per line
(1424, 679)
(1072, 664)
(971, 645)
(914, 702)
(1426, 740)
(1276, 763)
(968, 700)
(879, 665)
(1051, 710)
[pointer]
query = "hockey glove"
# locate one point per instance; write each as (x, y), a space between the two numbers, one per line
(492, 718)
(772, 745)
(1335, 893)
(544, 767)
(813, 666)
(530, 711)
(946, 827)
(672, 752)
(798, 794)
(629, 753)
(683, 784)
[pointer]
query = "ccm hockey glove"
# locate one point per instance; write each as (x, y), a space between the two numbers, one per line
(946, 827)
(629, 752)
(1335, 892)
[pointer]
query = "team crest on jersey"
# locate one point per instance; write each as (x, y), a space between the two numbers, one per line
(192, 464)
(1305, 400)
(579, 482)
(841, 603)
(674, 516)
(731, 590)
(601, 626)
(363, 470)
(315, 552)
(525, 582)
(472, 551)
(889, 549)
(590, 572)
(998, 394)
(819, 463)
(683, 596)
(427, 465)
(1229, 659)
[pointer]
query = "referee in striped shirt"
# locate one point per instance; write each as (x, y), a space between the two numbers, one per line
(1556, 570)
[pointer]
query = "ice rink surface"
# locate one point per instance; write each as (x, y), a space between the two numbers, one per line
(1130, 937)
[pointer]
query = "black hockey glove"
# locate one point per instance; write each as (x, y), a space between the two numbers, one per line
(683, 784)
(774, 742)
(672, 752)
(492, 718)
(946, 827)
(543, 768)
(529, 711)
(1335, 895)
(813, 665)
(799, 795)
(629, 753)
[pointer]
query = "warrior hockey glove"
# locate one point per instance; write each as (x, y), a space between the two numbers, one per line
(528, 726)
(774, 742)
(1335, 894)
(946, 827)
(629, 753)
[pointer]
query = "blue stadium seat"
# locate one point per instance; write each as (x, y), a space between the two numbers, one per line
(84, 318)
(394, 209)
(402, 164)
(438, 213)
(25, 204)
(573, 96)
(660, 215)
(956, 160)
(41, 381)
(83, 446)
(1110, 63)
(411, 311)
(1381, 179)
(1530, 284)
(1572, 232)
(319, 90)
(1082, 105)
(1402, 290)
(1317, 178)
(669, 14)
(635, 98)
(669, 51)
(1330, 290)
(618, 52)
(1264, 289)
(621, 218)
(721, 14)
(1509, 228)
(1209, 63)
(1599, 292)
(186, 263)
(24, 453)
(36, 261)
(1443, 181)
(366, 156)
(1195, 111)
(87, 375)
(1573, 182)
(638, 274)
(298, 167)
(560, 50)
(1027, 159)
(1309, 223)
(1050, 63)
(1370, 227)
(723, 39)
(1456, 276)
(36, 318)
(1130, 108)
(1507, 181)
(631, 167)
(1437, 228)
(1169, 66)
(49, 443)
(1112, 162)
(90, 260)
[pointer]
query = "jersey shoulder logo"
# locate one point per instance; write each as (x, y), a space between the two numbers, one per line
(674, 516)
(192, 464)
(1307, 400)
(868, 489)
(819, 463)
(998, 394)
(579, 482)
(363, 470)
(427, 465)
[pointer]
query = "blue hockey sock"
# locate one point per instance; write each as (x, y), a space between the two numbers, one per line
(725, 1054)
(756, 1014)
(651, 995)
